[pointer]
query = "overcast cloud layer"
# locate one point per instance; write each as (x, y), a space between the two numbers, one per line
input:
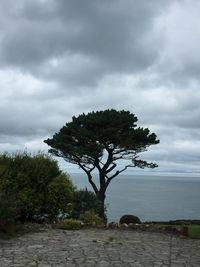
(59, 58)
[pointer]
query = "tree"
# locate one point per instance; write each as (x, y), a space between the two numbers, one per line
(98, 140)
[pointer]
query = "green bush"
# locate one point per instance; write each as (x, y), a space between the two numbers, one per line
(59, 197)
(7, 212)
(90, 217)
(129, 219)
(69, 224)
(33, 181)
(83, 201)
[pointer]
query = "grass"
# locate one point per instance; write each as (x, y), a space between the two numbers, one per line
(193, 226)
(194, 231)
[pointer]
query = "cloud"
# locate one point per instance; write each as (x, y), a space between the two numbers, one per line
(79, 41)
(179, 29)
(62, 58)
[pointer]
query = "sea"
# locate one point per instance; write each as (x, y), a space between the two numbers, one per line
(151, 198)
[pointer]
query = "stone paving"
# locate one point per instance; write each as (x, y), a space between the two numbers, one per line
(99, 248)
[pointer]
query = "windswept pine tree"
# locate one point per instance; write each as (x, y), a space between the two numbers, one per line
(97, 141)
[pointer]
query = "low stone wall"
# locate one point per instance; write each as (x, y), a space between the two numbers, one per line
(180, 230)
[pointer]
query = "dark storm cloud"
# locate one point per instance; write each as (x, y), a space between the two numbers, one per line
(109, 36)
(106, 32)
(90, 39)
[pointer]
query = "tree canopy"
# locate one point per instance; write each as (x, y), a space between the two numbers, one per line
(98, 140)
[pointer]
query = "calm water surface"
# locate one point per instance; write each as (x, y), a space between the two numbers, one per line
(150, 198)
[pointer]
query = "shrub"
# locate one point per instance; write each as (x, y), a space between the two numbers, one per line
(84, 200)
(59, 197)
(33, 181)
(7, 212)
(69, 224)
(129, 219)
(90, 217)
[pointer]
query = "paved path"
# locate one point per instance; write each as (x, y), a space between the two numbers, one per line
(99, 248)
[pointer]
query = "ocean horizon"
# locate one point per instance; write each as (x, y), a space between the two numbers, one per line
(150, 197)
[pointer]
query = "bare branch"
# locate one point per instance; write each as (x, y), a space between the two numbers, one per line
(111, 168)
(120, 171)
(109, 160)
(89, 177)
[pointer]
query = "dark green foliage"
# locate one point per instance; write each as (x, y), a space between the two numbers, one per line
(98, 140)
(32, 181)
(7, 212)
(83, 201)
(60, 193)
(129, 219)
(85, 138)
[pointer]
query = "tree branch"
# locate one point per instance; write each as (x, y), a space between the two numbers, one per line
(118, 172)
(109, 160)
(111, 168)
(89, 177)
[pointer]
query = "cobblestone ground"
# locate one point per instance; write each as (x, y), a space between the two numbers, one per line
(99, 248)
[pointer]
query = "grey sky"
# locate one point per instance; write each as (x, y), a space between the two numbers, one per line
(59, 58)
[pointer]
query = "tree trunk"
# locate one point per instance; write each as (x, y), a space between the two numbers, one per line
(100, 193)
(101, 198)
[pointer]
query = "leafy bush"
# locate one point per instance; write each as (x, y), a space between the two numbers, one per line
(7, 212)
(59, 197)
(129, 219)
(83, 201)
(33, 181)
(69, 224)
(90, 217)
